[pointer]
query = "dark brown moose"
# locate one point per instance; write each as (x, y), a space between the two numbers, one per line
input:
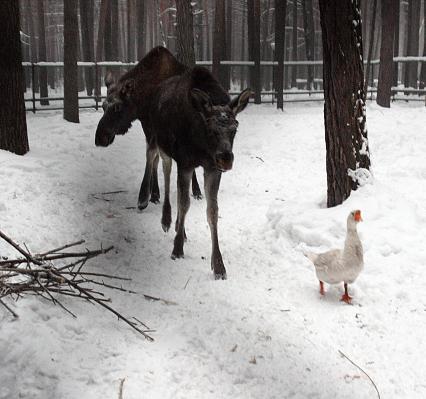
(193, 121)
(129, 99)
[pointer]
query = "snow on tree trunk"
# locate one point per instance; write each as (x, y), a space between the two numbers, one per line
(13, 125)
(347, 159)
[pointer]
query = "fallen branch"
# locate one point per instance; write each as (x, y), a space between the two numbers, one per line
(359, 368)
(38, 275)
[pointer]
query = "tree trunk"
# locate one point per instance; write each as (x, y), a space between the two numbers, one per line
(70, 61)
(130, 32)
(140, 24)
(228, 52)
(294, 46)
(219, 41)
(253, 8)
(396, 42)
(185, 33)
(34, 52)
(87, 38)
(13, 124)
(370, 45)
(386, 53)
(423, 71)
(103, 13)
(344, 109)
(280, 14)
(413, 20)
(308, 22)
(42, 51)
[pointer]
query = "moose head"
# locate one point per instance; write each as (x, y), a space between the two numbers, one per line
(119, 110)
(219, 125)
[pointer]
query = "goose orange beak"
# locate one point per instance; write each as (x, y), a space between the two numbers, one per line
(357, 216)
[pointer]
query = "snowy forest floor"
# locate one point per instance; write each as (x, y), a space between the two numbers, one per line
(263, 333)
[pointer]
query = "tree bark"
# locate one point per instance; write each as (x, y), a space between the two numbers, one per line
(185, 33)
(423, 70)
(280, 14)
(13, 125)
(87, 38)
(294, 46)
(344, 109)
(386, 53)
(33, 41)
(308, 22)
(219, 41)
(410, 76)
(70, 61)
(140, 24)
(253, 13)
(370, 45)
(42, 51)
(396, 42)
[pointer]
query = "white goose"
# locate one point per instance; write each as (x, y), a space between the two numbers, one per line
(338, 265)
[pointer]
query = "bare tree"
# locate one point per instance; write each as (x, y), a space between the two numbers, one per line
(87, 39)
(140, 26)
(280, 14)
(130, 32)
(386, 53)
(219, 41)
(396, 41)
(70, 61)
(423, 70)
(309, 29)
(370, 44)
(42, 52)
(13, 124)
(294, 46)
(253, 14)
(185, 33)
(410, 74)
(347, 156)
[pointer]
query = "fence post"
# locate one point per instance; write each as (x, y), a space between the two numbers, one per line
(32, 85)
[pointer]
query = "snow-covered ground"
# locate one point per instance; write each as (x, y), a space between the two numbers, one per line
(263, 333)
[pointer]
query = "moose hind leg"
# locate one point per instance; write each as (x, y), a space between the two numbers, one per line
(184, 179)
(166, 218)
(145, 191)
(211, 188)
(155, 190)
(196, 191)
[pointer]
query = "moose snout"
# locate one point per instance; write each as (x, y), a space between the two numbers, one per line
(224, 160)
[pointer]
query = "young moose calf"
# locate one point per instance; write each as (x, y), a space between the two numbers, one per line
(194, 122)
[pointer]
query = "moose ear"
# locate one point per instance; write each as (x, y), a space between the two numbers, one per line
(109, 79)
(201, 100)
(128, 87)
(239, 103)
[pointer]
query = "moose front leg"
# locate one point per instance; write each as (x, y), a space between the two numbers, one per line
(166, 218)
(211, 188)
(145, 191)
(183, 182)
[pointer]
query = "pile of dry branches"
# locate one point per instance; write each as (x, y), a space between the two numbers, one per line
(37, 274)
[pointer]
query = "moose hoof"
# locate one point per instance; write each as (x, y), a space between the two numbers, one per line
(220, 276)
(142, 205)
(177, 255)
(165, 227)
(155, 199)
(197, 196)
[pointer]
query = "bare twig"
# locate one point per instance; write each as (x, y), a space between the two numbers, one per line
(9, 309)
(73, 244)
(19, 249)
(187, 281)
(359, 368)
(120, 389)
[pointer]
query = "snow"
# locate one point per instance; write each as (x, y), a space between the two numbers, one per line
(265, 332)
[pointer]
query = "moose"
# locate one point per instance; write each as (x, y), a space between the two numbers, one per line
(187, 117)
(129, 99)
